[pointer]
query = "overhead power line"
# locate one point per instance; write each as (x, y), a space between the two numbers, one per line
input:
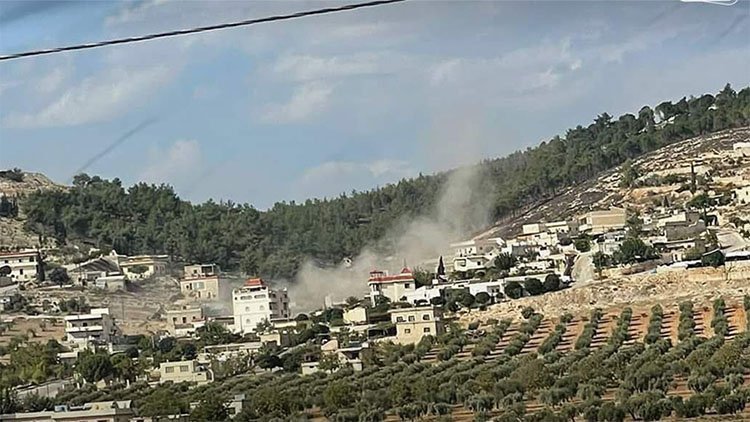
(198, 29)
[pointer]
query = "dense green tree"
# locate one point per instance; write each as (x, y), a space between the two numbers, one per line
(505, 261)
(210, 409)
(533, 286)
(94, 367)
(551, 283)
(273, 243)
(513, 289)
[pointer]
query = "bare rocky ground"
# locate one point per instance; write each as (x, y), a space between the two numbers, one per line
(137, 312)
(642, 291)
(603, 191)
(12, 234)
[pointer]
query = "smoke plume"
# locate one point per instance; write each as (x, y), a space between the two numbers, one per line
(462, 207)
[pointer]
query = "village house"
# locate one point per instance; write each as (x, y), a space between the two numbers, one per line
(355, 316)
(599, 222)
(277, 338)
(256, 302)
(183, 322)
(424, 294)
(222, 352)
(472, 255)
(22, 266)
(144, 266)
(184, 371)
(742, 195)
(348, 356)
(201, 270)
(104, 411)
(393, 287)
(111, 282)
(204, 282)
(96, 327)
(87, 272)
(414, 323)
(741, 149)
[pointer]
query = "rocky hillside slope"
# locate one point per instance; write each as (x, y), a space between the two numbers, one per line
(12, 233)
(708, 153)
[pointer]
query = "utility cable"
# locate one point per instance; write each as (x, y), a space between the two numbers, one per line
(216, 27)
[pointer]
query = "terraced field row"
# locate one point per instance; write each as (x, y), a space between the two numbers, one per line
(637, 330)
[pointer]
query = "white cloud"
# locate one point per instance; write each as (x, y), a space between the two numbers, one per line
(306, 68)
(338, 170)
(443, 71)
(53, 80)
(307, 100)
(95, 99)
(133, 12)
(334, 177)
(175, 165)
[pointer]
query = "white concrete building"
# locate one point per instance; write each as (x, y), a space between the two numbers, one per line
(144, 266)
(184, 371)
(742, 195)
(472, 255)
(394, 287)
(256, 302)
(97, 326)
(21, 266)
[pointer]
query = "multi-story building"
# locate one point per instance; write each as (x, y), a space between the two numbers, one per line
(598, 222)
(103, 411)
(414, 323)
(144, 266)
(97, 326)
(205, 288)
(21, 266)
(184, 371)
(201, 270)
(475, 254)
(183, 322)
(256, 302)
(393, 287)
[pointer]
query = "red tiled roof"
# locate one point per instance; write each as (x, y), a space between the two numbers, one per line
(382, 277)
(254, 282)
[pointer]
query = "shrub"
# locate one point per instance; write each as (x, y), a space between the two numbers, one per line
(686, 327)
(654, 325)
(584, 340)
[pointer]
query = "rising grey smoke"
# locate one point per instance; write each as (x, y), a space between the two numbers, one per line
(461, 209)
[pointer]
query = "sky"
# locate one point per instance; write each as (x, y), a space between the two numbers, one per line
(323, 105)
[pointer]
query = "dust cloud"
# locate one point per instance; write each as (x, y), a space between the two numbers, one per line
(463, 206)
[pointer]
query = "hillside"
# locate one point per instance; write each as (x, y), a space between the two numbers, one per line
(707, 152)
(18, 185)
(274, 243)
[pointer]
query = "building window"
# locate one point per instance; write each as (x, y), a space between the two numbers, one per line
(247, 309)
(169, 369)
(406, 285)
(400, 319)
(411, 318)
(407, 331)
(426, 329)
(20, 271)
(184, 368)
(262, 308)
(426, 317)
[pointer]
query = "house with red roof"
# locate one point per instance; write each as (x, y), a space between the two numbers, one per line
(394, 287)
